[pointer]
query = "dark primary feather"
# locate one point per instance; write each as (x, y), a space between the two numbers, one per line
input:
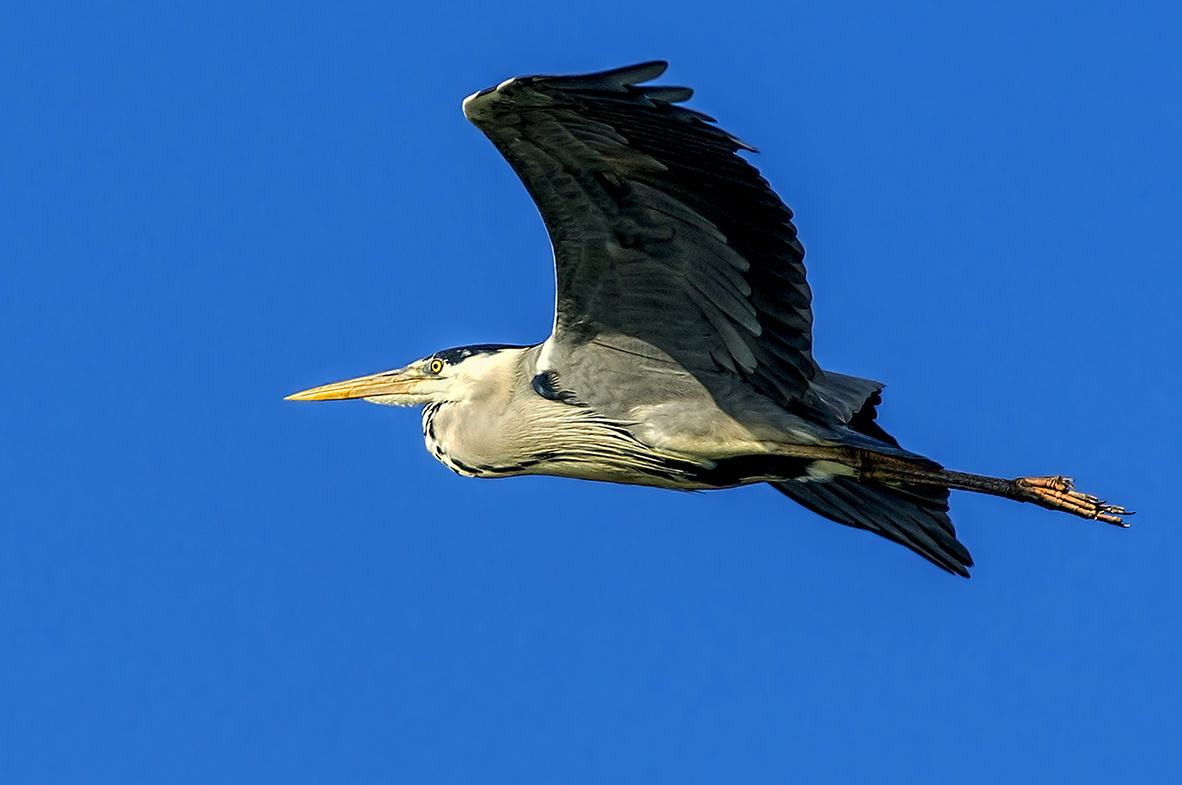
(660, 230)
(911, 515)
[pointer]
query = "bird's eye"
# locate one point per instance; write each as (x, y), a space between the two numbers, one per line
(436, 366)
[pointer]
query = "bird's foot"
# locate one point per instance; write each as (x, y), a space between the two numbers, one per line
(1058, 493)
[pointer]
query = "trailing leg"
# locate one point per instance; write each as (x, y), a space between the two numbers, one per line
(1054, 493)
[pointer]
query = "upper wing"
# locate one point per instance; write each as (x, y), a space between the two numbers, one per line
(661, 232)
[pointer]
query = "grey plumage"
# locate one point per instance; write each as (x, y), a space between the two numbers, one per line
(681, 355)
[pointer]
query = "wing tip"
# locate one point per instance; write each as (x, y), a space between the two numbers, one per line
(632, 75)
(613, 80)
(914, 517)
(469, 105)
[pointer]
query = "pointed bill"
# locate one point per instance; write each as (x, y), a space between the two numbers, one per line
(387, 383)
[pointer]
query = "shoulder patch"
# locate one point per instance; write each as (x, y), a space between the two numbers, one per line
(546, 385)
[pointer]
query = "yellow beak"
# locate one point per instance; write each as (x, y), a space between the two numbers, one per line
(386, 383)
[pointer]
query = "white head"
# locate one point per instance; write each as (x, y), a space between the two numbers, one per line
(446, 376)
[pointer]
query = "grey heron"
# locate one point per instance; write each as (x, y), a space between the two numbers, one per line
(681, 352)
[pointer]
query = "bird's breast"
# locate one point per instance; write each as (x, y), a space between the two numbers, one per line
(456, 444)
(555, 439)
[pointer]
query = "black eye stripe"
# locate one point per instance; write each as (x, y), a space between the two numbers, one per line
(460, 353)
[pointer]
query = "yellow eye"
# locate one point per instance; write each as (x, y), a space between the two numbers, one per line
(436, 366)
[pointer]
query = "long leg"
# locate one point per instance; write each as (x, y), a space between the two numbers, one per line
(1054, 493)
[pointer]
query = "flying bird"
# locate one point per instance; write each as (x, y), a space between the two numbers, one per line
(681, 353)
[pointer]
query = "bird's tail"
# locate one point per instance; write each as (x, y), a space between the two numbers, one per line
(912, 515)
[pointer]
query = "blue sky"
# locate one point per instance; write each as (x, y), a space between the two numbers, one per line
(206, 208)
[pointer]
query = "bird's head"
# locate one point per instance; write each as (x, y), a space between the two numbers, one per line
(449, 375)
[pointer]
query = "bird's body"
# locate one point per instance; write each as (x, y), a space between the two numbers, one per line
(679, 438)
(681, 355)
(673, 442)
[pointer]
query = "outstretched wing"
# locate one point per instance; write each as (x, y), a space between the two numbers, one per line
(661, 232)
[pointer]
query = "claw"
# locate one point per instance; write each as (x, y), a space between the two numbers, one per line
(1058, 493)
